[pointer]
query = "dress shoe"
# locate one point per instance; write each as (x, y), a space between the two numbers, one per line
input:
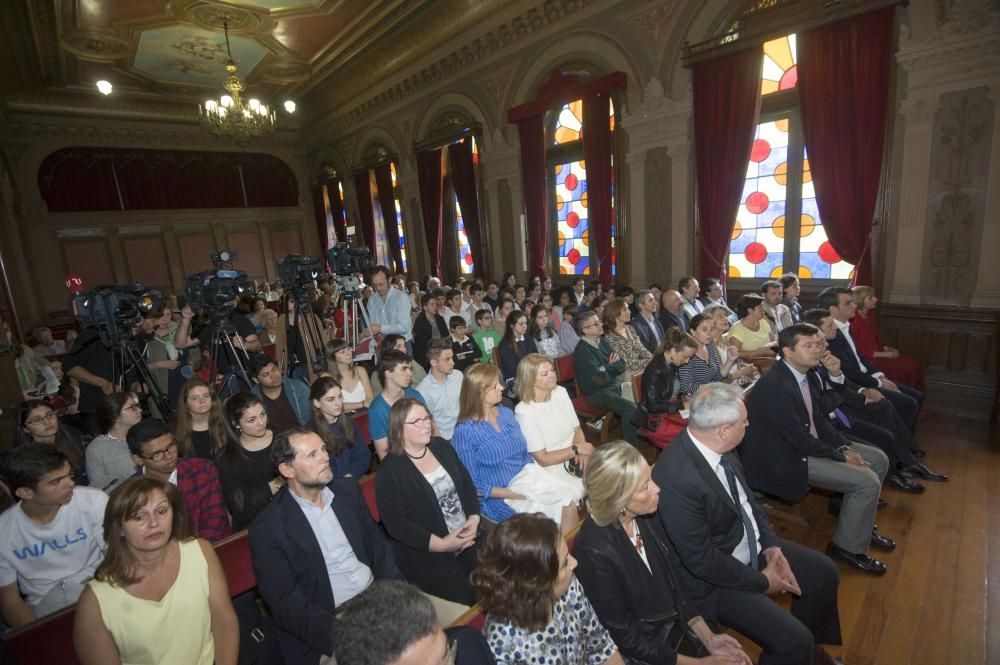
(922, 470)
(919, 452)
(903, 484)
(822, 657)
(862, 562)
(883, 542)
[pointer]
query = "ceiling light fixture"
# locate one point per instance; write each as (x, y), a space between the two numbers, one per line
(104, 87)
(231, 115)
(290, 106)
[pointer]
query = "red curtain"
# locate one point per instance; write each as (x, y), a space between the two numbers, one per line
(531, 131)
(362, 186)
(387, 201)
(429, 179)
(845, 71)
(726, 106)
(597, 153)
(319, 210)
(463, 179)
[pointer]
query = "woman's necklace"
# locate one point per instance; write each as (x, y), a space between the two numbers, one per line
(420, 456)
(637, 539)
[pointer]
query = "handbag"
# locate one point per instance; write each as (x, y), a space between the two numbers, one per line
(258, 633)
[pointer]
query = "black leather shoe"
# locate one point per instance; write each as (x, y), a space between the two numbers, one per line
(922, 470)
(919, 452)
(883, 542)
(862, 562)
(903, 484)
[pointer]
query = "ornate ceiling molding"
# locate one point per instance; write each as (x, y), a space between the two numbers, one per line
(658, 121)
(654, 23)
(503, 37)
(95, 45)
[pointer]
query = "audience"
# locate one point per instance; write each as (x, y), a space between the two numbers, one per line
(711, 290)
(502, 311)
(160, 595)
(396, 374)
(540, 329)
(705, 366)
(108, 458)
(286, 400)
(783, 457)
(662, 396)
(199, 426)
(244, 463)
(345, 444)
(625, 567)
(388, 307)
(154, 451)
(777, 313)
(353, 380)
(597, 369)
(514, 345)
(464, 347)
(549, 423)
(486, 336)
(689, 289)
(314, 547)
(536, 609)
(490, 444)
(625, 343)
(38, 423)
(672, 314)
(52, 536)
(740, 372)
(428, 505)
(442, 387)
(730, 558)
(47, 345)
(790, 296)
(568, 334)
(752, 336)
(864, 332)
(645, 323)
(429, 325)
(395, 343)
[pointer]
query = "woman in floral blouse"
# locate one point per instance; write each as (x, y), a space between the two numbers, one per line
(537, 610)
(624, 341)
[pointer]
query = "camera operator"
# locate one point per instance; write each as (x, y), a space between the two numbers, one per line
(388, 307)
(91, 364)
(244, 341)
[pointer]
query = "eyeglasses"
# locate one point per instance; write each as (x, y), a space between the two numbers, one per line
(593, 323)
(426, 420)
(134, 407)
(38, 420)
(160, 454)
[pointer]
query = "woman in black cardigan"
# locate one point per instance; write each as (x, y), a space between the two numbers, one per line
(428, 505)
(661, 387)
(624, 567)
(516, 344)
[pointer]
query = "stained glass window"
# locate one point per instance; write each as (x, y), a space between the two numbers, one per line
(381, 246)
(571, 212)
(399, 215)
(466, 264)
(817, 257)
(569, 124)
(781, 71)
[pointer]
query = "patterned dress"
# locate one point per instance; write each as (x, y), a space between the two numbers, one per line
(574, 636)
(629, 348)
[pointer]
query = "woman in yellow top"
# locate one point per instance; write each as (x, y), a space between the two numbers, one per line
(160, 595)
(751, 335)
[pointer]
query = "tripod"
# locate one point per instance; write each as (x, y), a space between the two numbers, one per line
(126, 358)
(222, 343)
(304, 327)
(352, 331)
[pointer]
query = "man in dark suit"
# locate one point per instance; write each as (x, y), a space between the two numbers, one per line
(671, 313)
(792, 446)
(427, 326)
(314, 547)
(908, 401)
(645, 322)
(728, 556)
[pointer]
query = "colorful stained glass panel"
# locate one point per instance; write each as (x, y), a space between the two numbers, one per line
(780, 69)
(817, 257)
(399, 215)
(569, 124)
(572, 218)
(466, 265)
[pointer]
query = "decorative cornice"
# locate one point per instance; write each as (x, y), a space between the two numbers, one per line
(143, 230)
(526, 24)
(967, 43)
(653, 23)
(658, 121)
(81, 233)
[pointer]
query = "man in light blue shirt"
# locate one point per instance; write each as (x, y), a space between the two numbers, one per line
(442, 387)
(388, 307)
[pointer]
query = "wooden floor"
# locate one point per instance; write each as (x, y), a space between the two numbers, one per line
(940, 601)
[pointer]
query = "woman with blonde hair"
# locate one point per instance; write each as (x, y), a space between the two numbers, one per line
(160, 594)
(864, 332)
(490, 444)
(199, 427)
(549, 423)
(357, 387)
(625, 570)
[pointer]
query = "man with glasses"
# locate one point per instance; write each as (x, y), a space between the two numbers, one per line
(154, 452)
(597, 368)
(388, 308)
(53, 538)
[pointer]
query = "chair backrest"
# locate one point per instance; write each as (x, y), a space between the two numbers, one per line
(637, 387)
(367, 486)
(237, 563)
(564, 368)
(46, 641)
(361, 420)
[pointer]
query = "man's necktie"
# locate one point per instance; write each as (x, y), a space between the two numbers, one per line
(747, 524)
(807, 398)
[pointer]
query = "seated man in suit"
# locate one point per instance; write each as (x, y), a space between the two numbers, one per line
(792, 446)
(839, 301)
(729, 557)
(645, 323)
(866, 413)
(671, 312)
(314, 547)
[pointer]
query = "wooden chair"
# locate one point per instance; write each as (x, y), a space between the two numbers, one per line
(584, 409)
(367, 486)
(237, 563)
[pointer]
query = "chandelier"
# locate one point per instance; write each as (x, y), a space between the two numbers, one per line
(231, 115)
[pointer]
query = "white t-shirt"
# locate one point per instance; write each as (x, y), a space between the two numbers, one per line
(67, 549)
(548, 425)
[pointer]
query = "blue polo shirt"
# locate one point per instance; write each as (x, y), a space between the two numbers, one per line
(378, 414)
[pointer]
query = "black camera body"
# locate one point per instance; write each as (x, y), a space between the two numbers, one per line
(345, 259)
(114, 308)
(297, 273)
(215, 291)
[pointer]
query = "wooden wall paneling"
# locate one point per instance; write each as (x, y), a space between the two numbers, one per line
(147, 261)
(958, 348)
(285, 242)
(90, 259)
(247, 244)
(196, 250)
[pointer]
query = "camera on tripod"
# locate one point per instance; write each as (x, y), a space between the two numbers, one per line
(113, 309)
(345, 261)
(297, 273)
(215, 291)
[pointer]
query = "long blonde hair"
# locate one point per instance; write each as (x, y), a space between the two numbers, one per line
(527, 372)
(472, 401)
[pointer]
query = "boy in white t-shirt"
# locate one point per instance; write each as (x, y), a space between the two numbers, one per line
(51, 541)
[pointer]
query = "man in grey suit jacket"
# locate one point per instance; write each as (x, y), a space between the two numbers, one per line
(728, 556)
(645, 322)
